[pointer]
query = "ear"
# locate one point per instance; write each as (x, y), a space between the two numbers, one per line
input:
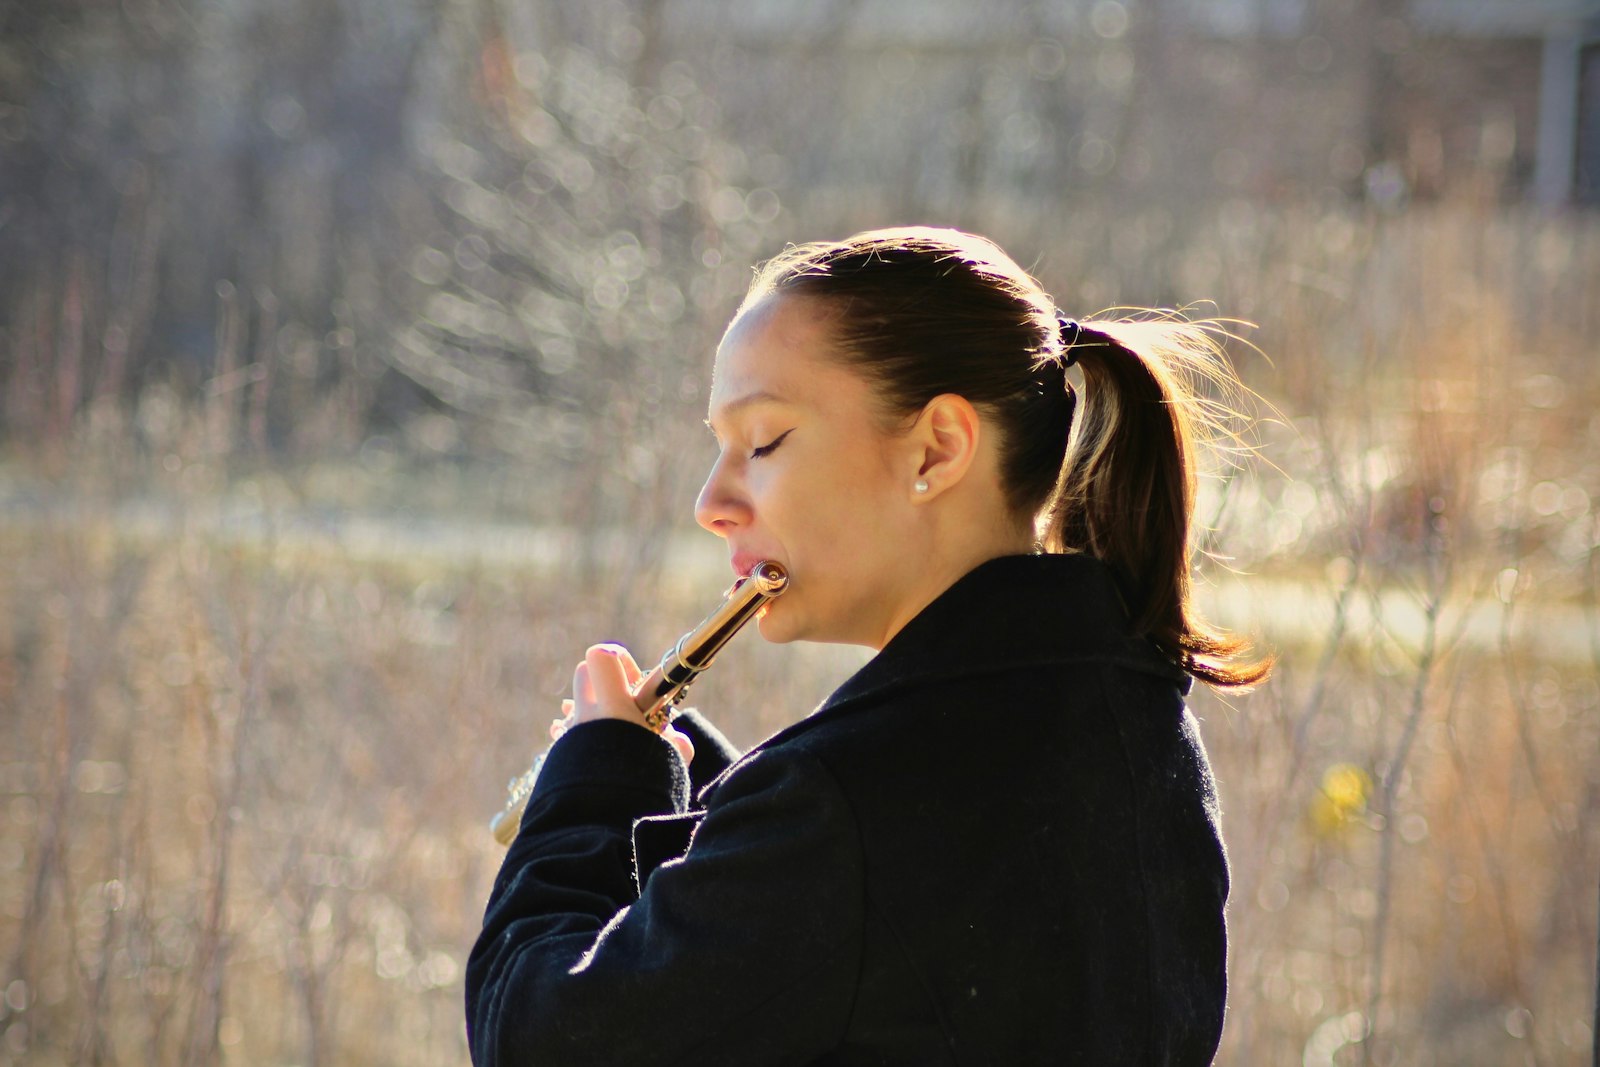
(945, 442)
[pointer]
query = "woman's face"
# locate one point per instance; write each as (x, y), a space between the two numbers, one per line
(808, 476)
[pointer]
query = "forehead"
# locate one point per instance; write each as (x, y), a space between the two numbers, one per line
(779, 348)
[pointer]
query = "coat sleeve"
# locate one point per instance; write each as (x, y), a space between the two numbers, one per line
(743, 951)
(713, 753)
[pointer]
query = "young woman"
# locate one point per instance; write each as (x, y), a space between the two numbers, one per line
(997, 842)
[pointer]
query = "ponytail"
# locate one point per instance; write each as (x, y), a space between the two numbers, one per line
(1127, 485)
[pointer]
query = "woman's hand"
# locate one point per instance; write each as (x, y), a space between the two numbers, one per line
(602, 688)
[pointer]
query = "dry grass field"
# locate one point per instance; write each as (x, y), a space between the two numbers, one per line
(248, 751)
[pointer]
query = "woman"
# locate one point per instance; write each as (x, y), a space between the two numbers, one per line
(997, 842)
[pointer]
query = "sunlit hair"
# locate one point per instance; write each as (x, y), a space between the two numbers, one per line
(920, 312)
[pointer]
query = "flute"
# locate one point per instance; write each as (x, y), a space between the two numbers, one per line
(667, 681)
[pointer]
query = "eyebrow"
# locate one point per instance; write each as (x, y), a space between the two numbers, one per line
(738, 404)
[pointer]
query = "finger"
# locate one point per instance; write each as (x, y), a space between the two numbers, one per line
(630, 668)
(559, 726)
(681, 742)
(582, 686)
(608, 680)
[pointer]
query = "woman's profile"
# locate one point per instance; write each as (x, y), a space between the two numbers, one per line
(998, 841)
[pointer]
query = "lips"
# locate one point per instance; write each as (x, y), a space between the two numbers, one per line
(745, 562)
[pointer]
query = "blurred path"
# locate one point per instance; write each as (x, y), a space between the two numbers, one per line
(1291, 613)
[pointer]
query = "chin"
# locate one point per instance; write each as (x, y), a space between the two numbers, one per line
(786, 627)
(775, 631)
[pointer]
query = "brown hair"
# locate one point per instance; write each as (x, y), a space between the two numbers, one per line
(923, 312)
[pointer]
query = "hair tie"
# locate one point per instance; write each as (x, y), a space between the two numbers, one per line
(1069, 331)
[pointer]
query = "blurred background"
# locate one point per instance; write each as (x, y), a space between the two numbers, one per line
(352, 357)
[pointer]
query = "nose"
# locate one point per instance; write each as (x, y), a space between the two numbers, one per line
(721, 506)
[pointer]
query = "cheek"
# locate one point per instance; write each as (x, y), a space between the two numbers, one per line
(794, 503)
(849, 505)
(822, 501)
(795, 516)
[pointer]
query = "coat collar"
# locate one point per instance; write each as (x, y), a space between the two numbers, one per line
(1015, 612)
(1012, 612)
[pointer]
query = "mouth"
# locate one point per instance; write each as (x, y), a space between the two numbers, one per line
(745, 562)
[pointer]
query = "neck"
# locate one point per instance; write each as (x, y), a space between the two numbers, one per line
(957, 541)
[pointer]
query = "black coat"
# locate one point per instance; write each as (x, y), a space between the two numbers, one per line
(996, 843)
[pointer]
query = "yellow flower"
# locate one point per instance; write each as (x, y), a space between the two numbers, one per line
(1341, 799)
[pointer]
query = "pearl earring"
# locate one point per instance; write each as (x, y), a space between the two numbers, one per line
(921, 486)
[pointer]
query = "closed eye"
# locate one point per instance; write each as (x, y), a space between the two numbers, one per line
(771, 447)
